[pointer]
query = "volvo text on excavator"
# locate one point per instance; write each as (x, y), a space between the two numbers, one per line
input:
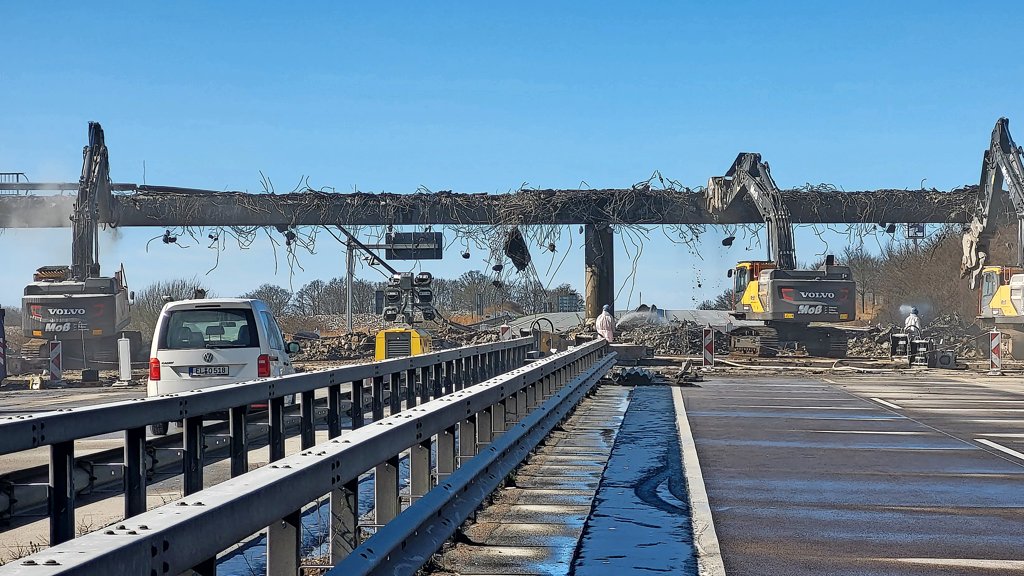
(1001, 297)
(787, 300)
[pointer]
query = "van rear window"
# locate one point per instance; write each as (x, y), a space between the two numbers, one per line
(209, 328)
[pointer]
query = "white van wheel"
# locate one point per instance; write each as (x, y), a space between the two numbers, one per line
(158, 429)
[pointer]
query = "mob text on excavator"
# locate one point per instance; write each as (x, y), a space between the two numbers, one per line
(774, 291)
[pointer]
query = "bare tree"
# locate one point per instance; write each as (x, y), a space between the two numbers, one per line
(723, 301)
(278, 299)
(151, 299)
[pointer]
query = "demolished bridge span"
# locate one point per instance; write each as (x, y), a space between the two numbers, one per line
(167, 206)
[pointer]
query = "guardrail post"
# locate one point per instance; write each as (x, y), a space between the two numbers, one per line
(395, 400)
(467, 439)
(419, 470)
(192, 454)
(377, 399)
(239, 443)
(283, 535)
(357, 404)
(344, 520)
(62, 492)
(511, 410)
(437, 376)
(307, 433)
(334, 410)
(134, 471)
(283, 539)
(445, 453)
(449, 377)
(425, 384)
(385, 492)
(498, 419)
(484, 429)
(410, 388)
(275, 430)
(531, 396)
(522, 408)
(459, 375)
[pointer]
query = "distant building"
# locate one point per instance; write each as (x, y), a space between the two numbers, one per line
(570, 303)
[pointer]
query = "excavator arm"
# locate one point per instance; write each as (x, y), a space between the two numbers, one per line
(749, 175)
(1002, 164)
(94, 188)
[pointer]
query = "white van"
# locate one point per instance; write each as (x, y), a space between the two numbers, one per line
(212, 342)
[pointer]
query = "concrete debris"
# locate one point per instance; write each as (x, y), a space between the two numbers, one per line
(949, 332)
(671, 338)
(636, 377)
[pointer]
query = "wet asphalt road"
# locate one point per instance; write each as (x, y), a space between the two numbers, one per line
(882, 474)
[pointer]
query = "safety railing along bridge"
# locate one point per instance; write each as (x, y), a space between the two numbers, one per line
(453, 404)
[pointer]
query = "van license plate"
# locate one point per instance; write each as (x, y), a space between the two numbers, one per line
(208, 371)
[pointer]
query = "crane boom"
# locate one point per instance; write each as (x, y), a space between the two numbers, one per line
(748, 174)
(1002, 164)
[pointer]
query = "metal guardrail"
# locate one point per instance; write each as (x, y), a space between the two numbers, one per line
(404, 545)
(189, 533)
(431, 375)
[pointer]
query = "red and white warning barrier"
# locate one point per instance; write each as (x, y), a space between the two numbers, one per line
(56, 361)
(995, 356)
(709, 347)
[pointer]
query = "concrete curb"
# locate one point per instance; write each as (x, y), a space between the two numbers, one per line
(705, 540)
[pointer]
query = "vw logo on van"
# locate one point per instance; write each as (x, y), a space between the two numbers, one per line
(208, 357)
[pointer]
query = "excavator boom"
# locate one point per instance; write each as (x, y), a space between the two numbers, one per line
(787, 300)
(1002, 164)
(749, 175)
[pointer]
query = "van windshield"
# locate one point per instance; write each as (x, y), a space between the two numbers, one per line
(211, 328)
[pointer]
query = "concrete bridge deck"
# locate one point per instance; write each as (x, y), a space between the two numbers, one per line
(857, 475)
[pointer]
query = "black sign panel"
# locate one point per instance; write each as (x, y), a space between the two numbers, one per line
(414, 246)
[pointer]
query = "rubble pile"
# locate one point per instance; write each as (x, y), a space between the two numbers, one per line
(949, 332)
(445, 338)
(331, 324)
(670, 338)
(348, 347)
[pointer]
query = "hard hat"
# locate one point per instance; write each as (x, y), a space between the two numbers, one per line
(913, 310)
(605, 308)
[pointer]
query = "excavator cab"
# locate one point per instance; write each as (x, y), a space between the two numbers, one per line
(746, 286)
(1000, 291)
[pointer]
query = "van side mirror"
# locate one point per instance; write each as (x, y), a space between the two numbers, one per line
(293, 348)
(729, 273)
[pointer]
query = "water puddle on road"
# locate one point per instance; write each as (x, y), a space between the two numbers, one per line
(640, 521)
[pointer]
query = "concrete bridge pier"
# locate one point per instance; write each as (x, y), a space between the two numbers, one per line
(599, 262)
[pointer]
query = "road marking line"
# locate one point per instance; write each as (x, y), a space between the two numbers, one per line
(889, 404)
(1005, 435)
(705, 540)
(795, 407)
(892, 433)
(1000, 447)
(966, 562)
(830, 381)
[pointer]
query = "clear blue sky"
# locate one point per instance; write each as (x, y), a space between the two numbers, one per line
(480, 97)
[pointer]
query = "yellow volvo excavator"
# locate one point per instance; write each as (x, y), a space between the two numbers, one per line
(787, 300)
(1001, 294)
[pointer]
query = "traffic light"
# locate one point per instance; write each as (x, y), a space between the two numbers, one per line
(392, 295)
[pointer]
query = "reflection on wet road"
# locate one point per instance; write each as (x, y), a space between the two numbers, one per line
(640, 521)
